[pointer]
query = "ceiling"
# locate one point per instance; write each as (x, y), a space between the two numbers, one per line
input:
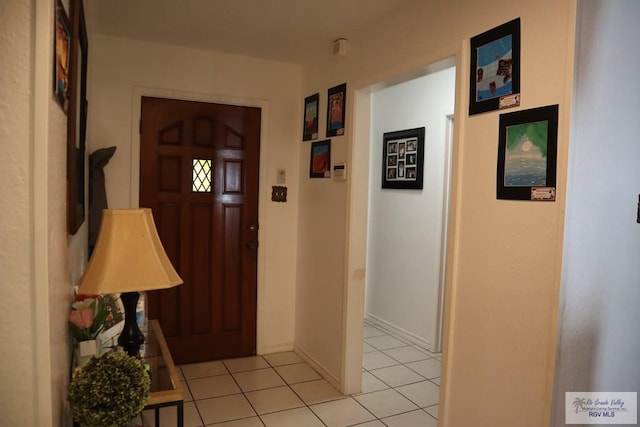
(282, 30)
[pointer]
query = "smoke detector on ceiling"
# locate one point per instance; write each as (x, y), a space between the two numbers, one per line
(340, 47)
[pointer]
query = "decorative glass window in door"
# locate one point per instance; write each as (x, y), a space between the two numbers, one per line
(201, 176)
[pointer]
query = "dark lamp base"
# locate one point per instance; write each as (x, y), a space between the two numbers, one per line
(131, 338)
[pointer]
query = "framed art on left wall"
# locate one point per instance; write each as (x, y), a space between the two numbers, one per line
(320, 162)
(61, 46)
(336, 110)
(310, 125)
(77, 118)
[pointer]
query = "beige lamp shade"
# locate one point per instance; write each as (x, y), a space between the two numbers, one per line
(128, 256)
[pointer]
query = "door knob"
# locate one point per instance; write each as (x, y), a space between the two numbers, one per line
(252, 244)
(253, 227)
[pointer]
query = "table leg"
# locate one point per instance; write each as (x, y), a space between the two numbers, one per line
(180, 412)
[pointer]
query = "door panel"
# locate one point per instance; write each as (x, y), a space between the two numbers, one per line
(199, 168)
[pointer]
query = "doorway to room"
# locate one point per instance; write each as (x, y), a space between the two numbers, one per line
(407, 227)
(400, 236)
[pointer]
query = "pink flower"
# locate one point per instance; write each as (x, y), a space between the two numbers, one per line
(82, 318)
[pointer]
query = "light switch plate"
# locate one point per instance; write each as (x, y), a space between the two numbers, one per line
(281, 176)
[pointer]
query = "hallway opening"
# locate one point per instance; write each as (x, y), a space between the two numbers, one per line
(401, 236)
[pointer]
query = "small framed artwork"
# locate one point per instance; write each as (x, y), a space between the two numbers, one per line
(310, 125)
(527, 150)
(320, 163)
(495, 69)
(336, 106)
(402, 159)
(61, 56)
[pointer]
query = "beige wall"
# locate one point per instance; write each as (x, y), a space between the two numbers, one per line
(36, 253)
(59, 258)
(124, 70)
(16, 308)
(502, 294)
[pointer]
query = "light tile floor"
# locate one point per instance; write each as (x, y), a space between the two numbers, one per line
(400, 388)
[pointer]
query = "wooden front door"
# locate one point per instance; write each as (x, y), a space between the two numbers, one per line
(199, 166)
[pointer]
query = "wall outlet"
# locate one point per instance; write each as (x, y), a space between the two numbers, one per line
(278, 194)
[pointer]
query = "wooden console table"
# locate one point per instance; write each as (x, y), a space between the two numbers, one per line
(166, 387)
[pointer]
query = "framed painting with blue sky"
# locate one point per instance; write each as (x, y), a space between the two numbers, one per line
(320, 162)
(310, 125)
(495, 69)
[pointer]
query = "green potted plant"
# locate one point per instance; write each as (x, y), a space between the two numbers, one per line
(109, 390)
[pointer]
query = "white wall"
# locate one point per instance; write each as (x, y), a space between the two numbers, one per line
(599, 341)
(502, 297)
(405, 226)
(123, 70)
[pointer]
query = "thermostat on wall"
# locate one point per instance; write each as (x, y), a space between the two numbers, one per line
(340, 172)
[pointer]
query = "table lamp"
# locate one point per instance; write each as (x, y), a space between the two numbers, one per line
(128, 258)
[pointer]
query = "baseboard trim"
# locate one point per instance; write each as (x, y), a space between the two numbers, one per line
(319, 367)
(399, 332)
(278, 348)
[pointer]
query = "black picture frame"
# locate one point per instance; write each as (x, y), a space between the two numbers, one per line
(61, 57)
(310, 117)
(403, 159)
(527, 154)
(494, 75)
(336, 110)
(320, 162)
(77, 118)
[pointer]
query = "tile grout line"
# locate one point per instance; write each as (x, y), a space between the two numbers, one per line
(186, 383)
(243, 392)
(294, 392)
(271, 365)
